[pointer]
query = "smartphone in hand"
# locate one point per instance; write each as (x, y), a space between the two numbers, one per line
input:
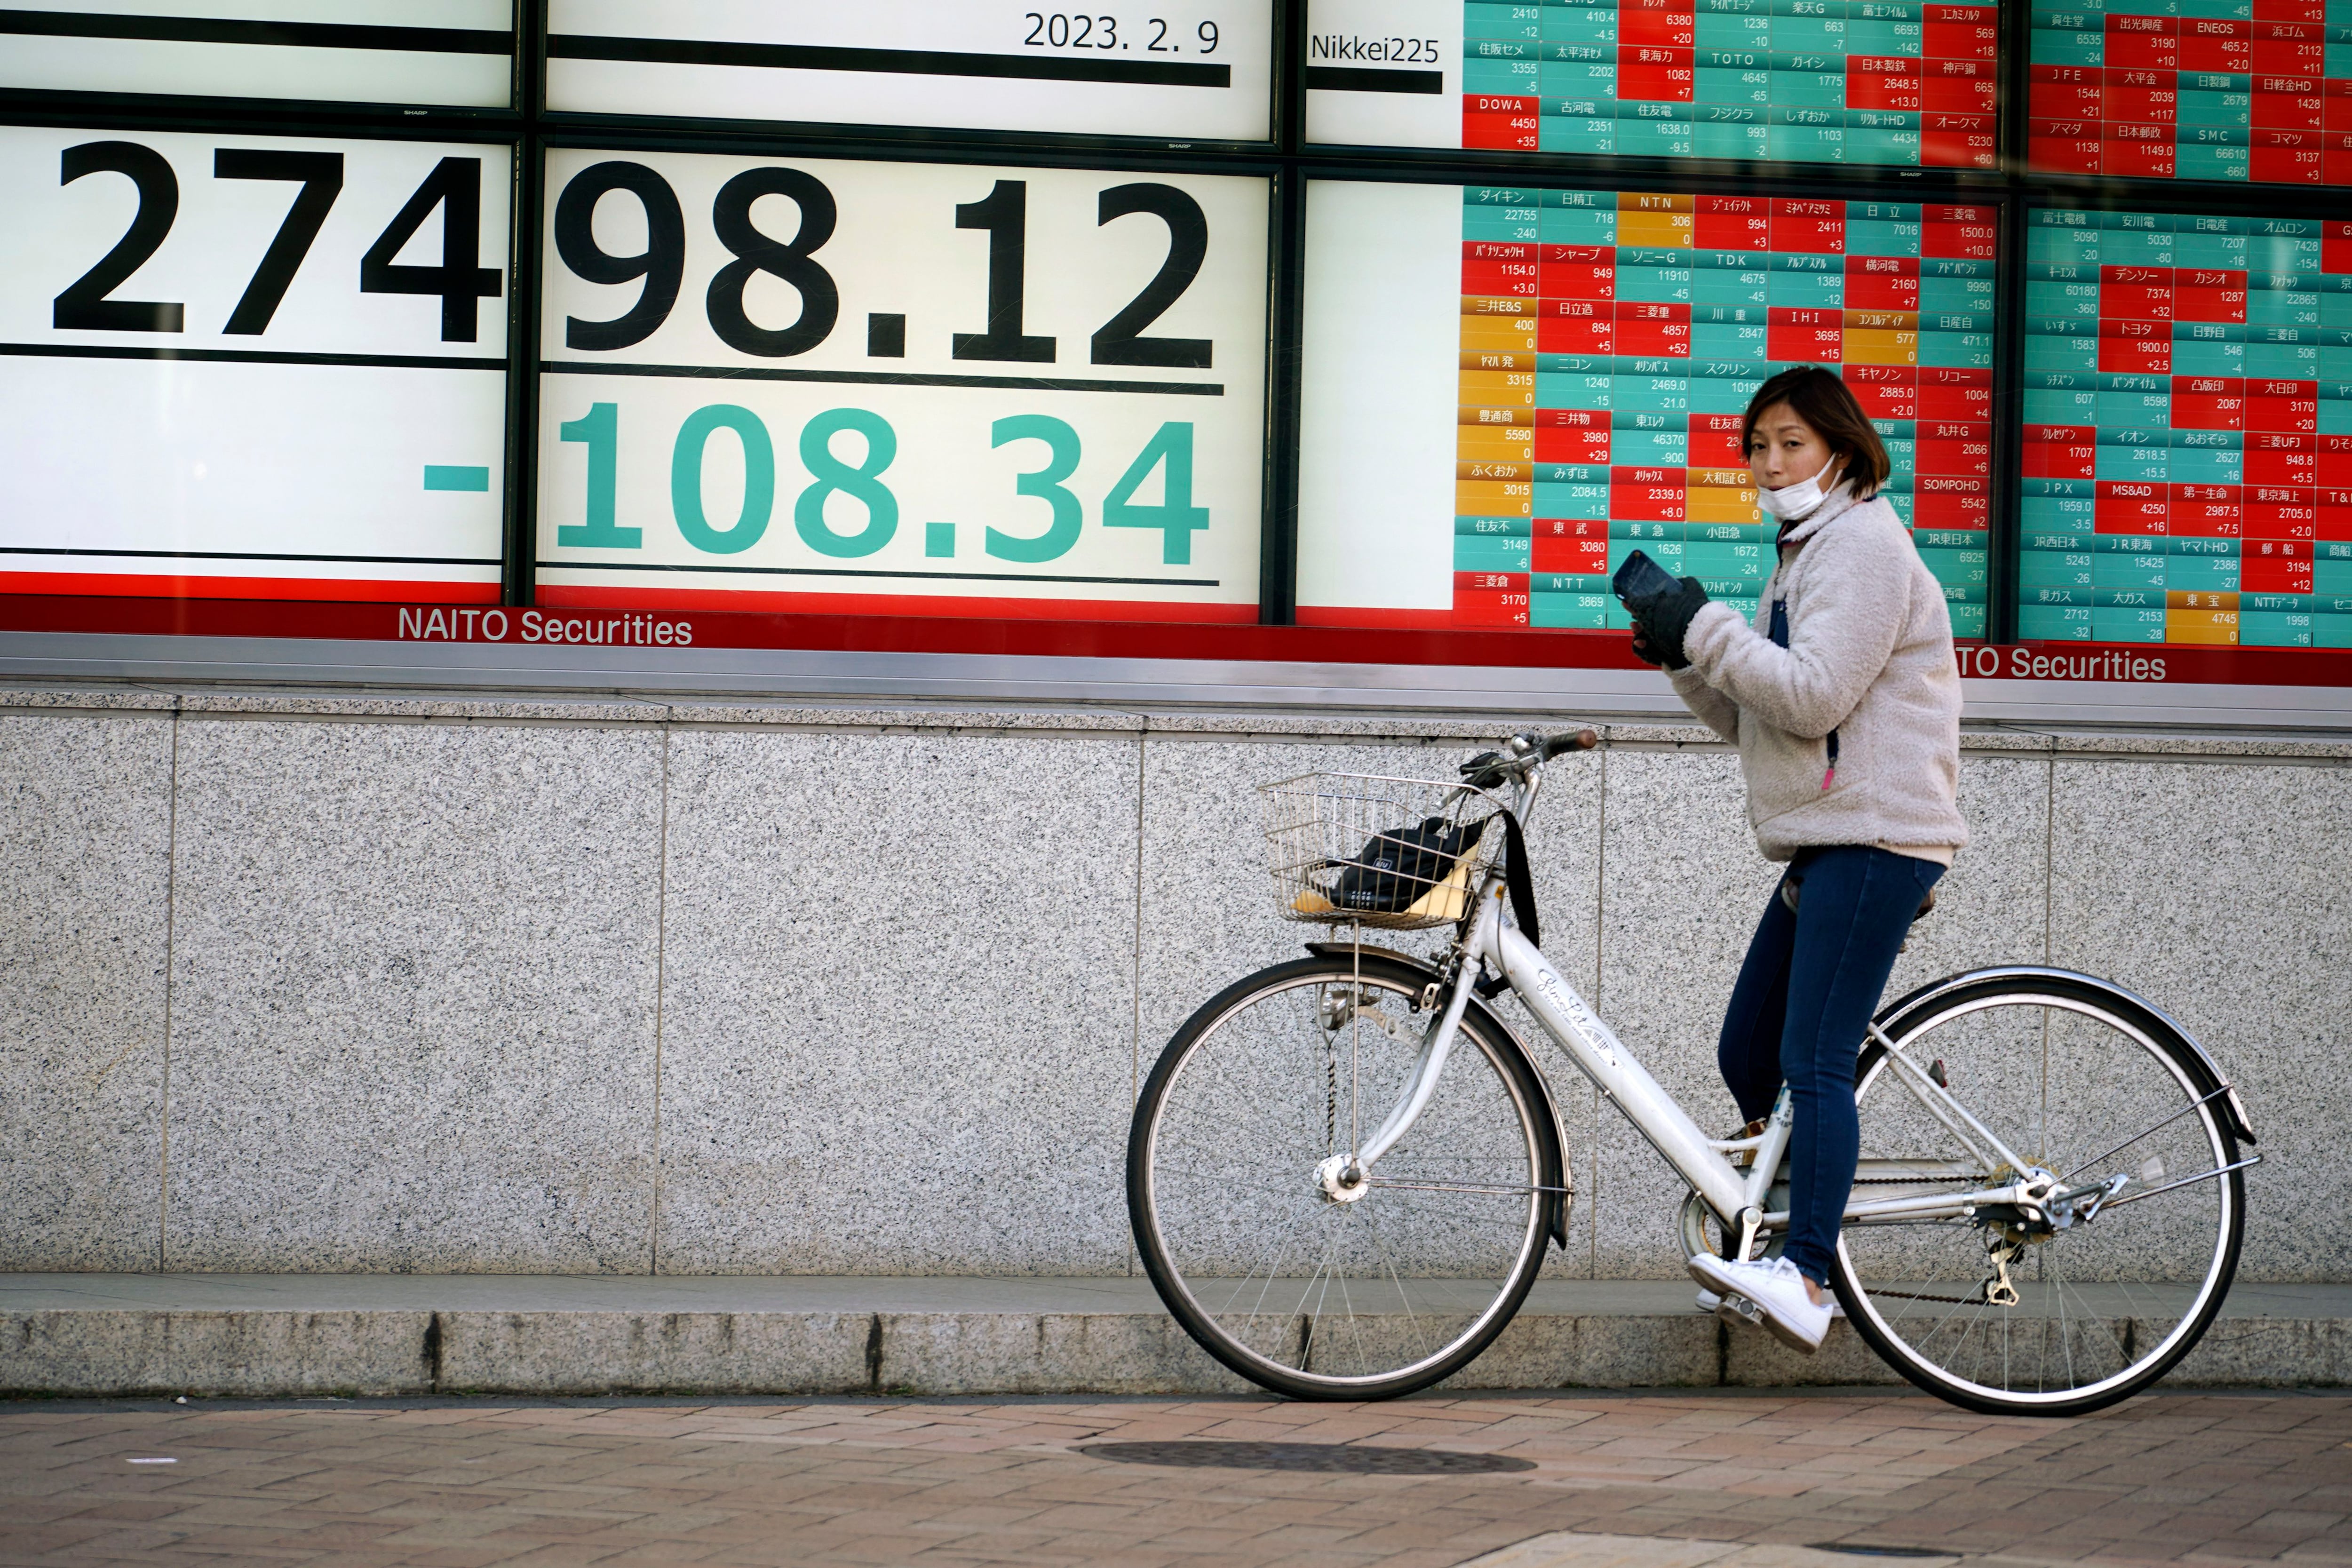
(1640, 578)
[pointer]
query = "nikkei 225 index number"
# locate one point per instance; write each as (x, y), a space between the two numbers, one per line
(1001, 338)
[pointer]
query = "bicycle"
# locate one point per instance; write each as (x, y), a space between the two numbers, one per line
(1993, 1253)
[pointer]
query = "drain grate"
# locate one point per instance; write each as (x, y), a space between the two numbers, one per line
(1858, 1549)
(1347, 1458)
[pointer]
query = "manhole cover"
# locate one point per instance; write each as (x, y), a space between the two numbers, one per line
(1856, 1549)
(1346, 1458)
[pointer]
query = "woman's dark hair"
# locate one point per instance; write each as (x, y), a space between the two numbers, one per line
(1822, 400)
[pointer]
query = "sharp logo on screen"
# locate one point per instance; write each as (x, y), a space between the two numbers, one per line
(2021, 661)
(429, 624)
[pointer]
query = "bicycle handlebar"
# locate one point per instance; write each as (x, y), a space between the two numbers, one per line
(1488, 768)
(1576, 740)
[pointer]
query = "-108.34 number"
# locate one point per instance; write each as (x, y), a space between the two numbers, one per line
(1169, 449)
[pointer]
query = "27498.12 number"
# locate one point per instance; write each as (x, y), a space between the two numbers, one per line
(1003, 213)
(1170, 451)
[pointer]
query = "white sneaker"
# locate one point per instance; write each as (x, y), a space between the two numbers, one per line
(1709, 1302)
(1771, 1295)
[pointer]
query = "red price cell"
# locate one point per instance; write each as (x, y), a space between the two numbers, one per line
(2206, 512)
(2335, 240)
(1957, 142)
(1952, 402)
(2135, 293)
(2206, 294)
(2066, 92)
(1873, 89)
(2064, 146)
(2209, 44)
(1571, 443)
(2141, 97)
(2142, 43)
(2336, 461)
(2144, 151)
(1953, 449)
(2311, 11)
(1881, 283)
(2287, 103)
(1962, 33)
(1510, 125)
(1809, 227)
(2291, 412)
(1586, 281)
(1474, 607)
(1730, 223)
(2279, 459)
(1934, 506)
(1594, 334)
(1587, 556)
(1655, 73)
(2336, 515)
(2287, 157)
(2207, 403)
(1639, 26)
(1957, 233)
(2289, 48)
(1714, 441)
(1884, 400)
(2136, 348)
(2131, 507)
(2293, 516)
(2060, 452)
(1646, 495)
(1958, 87)
(2274, 566)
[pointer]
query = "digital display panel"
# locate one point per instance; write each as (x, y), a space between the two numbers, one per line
(901, 387)
(1604, 346)
(1909, 83)
(1203, 70)
(240, 366)
(2194, 89)
(453, 53)
(2188, 453)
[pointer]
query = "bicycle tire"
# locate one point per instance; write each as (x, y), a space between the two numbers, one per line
(2130, 1065)
(1259, 1345)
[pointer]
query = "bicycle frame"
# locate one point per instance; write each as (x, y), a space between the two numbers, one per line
(1738, 1198)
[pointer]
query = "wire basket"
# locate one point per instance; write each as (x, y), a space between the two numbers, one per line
(1392, 853)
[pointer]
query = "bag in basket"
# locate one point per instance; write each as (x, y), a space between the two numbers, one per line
(1399, 866)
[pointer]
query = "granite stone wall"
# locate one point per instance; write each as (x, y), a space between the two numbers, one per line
(310, 983)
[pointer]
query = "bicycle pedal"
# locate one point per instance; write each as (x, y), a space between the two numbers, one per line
(1739, 1309)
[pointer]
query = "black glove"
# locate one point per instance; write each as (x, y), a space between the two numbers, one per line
(1661, 620)
(1648, 655)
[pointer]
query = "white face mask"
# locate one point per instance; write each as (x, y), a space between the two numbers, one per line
(1791, 502)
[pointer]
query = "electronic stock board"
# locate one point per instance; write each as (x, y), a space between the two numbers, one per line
(1580, 360)
(1901, 83)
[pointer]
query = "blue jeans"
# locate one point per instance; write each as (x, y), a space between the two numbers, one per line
(1798, 1012)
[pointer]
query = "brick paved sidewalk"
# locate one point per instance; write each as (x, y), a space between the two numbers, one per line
(2186, 1479)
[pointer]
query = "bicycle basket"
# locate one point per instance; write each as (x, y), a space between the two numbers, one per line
(1392, 853)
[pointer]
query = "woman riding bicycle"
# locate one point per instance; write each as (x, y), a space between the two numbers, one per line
(1844, 702)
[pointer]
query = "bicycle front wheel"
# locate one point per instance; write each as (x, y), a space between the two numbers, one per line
(2052, 1311)
(1311, 1294)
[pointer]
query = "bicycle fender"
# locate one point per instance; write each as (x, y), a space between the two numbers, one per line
(2157, 1020)
(1543, 1084)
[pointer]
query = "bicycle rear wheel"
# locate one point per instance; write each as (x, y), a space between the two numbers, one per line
(1303, 1292)
(2020, 1310)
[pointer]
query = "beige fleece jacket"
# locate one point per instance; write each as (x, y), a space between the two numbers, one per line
(1869, 656)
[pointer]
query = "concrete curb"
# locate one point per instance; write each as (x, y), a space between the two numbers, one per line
(266, 1353)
